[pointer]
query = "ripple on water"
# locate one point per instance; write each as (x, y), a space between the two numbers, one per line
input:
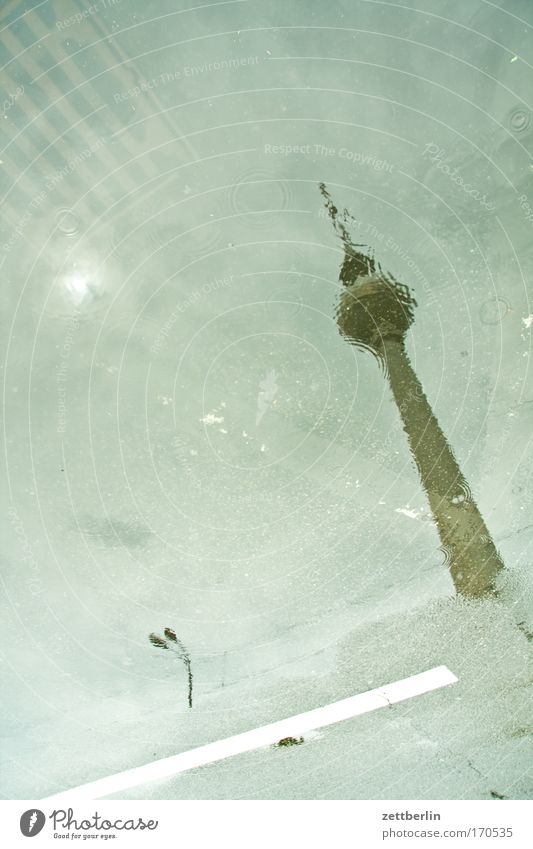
(257, 196)
(67, 222)
(519, 119)
(494, 310)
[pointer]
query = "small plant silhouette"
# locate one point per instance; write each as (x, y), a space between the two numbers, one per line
(290, 741)
(173, 644)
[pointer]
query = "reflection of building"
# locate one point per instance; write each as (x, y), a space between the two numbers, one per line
(66, 137)
(375, 313)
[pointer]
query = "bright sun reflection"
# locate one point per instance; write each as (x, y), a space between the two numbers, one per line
(80, 286)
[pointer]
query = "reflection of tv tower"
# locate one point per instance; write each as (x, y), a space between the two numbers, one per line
(374, 313)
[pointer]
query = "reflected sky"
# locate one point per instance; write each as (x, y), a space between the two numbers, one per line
(189, 442)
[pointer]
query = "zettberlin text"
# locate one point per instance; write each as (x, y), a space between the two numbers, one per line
(407, 815)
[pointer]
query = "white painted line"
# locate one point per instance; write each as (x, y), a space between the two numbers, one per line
(294, 726)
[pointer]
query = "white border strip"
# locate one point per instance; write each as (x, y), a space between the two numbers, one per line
(294, 726)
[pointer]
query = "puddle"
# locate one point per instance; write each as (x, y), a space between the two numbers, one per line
(375, 312)
(252, 415)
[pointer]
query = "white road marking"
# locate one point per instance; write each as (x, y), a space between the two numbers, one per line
(294, 726)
